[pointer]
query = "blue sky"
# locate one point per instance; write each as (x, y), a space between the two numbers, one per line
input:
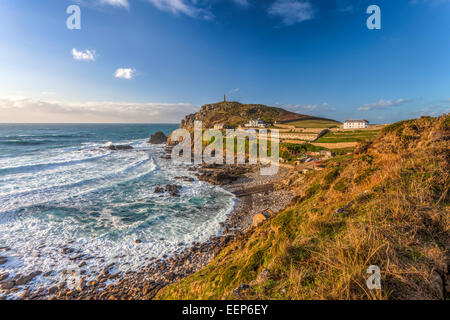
(157, 60)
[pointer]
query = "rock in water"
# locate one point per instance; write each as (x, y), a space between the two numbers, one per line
(3, 260)
(158, 138)
(173, 190)
(118, 147)
(158, 190)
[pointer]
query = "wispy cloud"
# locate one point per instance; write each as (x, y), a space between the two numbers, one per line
(309, 108)
(348, 8)
(116, 3)
(302, 107)
(431, 2)
(48, 93)
(292, 11)
(125, 73)
(433, 110)
(244, 3)
(86, 55)
(382, 104)
(191, 8)
(346, 5)
(21, 109)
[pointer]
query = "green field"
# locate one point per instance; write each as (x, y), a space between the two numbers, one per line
(291, 152)
(348, 136)
(313, 123)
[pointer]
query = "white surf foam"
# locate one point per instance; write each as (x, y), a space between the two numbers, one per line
(98, 209)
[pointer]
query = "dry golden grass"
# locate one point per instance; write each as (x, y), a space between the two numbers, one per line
(336, 145)
(387, 206)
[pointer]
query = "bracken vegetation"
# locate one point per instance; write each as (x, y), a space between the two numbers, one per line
(388, 205)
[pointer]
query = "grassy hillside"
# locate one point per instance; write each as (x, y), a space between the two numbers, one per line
(388, 205)
(234, 114)
(291, 152)
(348, 136)
(313, 123)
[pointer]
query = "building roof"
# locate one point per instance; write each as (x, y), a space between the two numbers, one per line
(352, 121)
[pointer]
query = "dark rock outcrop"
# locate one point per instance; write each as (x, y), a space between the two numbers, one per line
(184, 178)
(27, 278)
(158, 190)
(220, 175)
(158, 138)
(171, 189)
(3, 260)
(117, 147)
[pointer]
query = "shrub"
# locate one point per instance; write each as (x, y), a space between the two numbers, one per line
(313, 189)
(341, 185)
(332, 175)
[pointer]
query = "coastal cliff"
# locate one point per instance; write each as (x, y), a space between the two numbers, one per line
(386, 205)
(234, 114)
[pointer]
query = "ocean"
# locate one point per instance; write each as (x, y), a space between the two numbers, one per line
(64, 199)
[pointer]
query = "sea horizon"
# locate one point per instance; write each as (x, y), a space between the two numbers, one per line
(63, 195)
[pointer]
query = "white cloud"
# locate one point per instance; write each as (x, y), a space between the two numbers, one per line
(348, 8)
(292, 11)
(302, 107)
(116, 3)
(310, 108)
(235, 90)
(346, 5)
(243, 3)
(382, 104)
(48, 93)
(191, 8)
(431, 2)
(124, 73)
(433, 110)
(26, 110)
(86, 55)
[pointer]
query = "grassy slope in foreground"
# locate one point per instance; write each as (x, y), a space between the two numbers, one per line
(386, 206)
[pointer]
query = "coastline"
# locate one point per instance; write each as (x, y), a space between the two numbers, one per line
(254, 193)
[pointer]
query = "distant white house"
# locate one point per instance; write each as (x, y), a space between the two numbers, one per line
(355, 124)
(256, 123)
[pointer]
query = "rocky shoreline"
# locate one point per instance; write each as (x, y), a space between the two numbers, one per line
(255, 194)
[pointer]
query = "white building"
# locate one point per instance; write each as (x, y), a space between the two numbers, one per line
(256, 123)
(356, 124)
